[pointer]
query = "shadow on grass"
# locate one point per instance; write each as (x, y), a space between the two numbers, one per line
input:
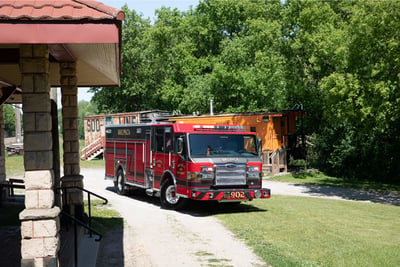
(208, 208)
(348, 192)
(302, 176)
(323, 180)
(319, 184)
(352, 194)
(197, 208)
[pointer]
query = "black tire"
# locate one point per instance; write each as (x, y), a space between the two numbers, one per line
(119, 183)
(169, 199)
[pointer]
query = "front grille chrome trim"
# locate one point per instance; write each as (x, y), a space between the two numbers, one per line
(230, 174)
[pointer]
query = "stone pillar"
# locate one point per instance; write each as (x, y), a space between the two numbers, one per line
(40, 218)
(3, 193)
(72, 177)
(56, 145)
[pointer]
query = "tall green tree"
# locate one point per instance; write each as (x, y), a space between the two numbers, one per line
(9, 119)
(137, 81)
(314, 46)
(242, 69)
(362, 100)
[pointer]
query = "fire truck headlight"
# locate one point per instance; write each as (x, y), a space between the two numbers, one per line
(207, 169)
(257, 193)
(207, 173)
(253, 169)
(253, 172)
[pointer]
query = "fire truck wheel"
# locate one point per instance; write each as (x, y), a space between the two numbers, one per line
(169, 199)
(119, 184)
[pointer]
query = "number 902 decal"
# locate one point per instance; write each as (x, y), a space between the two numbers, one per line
(234, 195)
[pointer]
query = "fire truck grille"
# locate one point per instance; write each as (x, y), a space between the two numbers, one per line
(230, 174)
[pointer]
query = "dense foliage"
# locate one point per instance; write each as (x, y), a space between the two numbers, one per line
(339, 59)
(9, 120)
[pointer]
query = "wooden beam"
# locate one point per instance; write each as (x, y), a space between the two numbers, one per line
(61, 53)
(6, 93)
(10, 93)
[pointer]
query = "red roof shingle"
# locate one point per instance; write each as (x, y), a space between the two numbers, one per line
(57, 10)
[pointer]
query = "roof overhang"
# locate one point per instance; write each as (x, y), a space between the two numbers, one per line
(43, 33)
(97, 64)
(82, 31)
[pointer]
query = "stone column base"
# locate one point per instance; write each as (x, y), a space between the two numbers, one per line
(72, 198)
(40, 236)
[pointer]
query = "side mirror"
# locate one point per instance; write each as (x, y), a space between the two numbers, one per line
(179, 146)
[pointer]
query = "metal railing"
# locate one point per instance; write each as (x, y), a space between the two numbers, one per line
(77, 221)
(93, 147)
(89, 193)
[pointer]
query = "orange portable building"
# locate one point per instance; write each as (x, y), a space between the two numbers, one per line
(277, 130)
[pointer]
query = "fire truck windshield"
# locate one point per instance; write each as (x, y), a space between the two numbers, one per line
(217, 145)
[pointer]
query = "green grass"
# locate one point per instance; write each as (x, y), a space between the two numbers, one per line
(104, 218)
(301, 231)
(95, 163)
(318, 178)
(15, 166)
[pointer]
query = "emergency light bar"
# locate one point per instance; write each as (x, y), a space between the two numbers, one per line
(219, 128)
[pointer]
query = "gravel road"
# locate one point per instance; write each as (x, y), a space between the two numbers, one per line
(155, 237)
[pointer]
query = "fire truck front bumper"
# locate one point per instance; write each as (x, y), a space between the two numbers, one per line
(230, 194)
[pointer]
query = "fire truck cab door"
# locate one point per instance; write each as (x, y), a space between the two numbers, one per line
(162, 149)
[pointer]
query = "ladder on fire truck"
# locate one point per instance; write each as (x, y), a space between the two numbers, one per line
(93, 150)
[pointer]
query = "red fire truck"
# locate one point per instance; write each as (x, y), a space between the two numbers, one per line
(178, 162)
